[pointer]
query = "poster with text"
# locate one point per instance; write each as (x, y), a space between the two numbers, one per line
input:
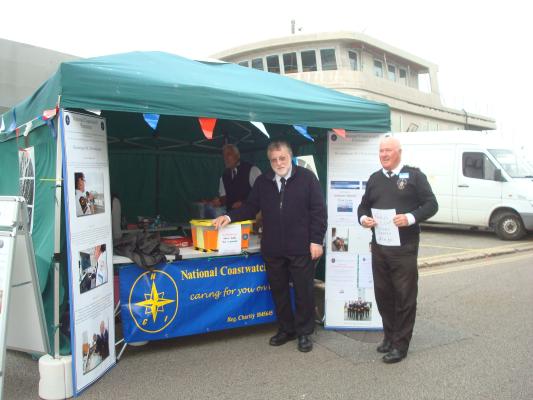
(350, 302)
(89, 243)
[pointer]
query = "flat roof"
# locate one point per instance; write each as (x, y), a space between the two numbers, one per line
(321, 37)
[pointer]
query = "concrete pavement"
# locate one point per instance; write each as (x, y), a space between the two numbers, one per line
(472, 341)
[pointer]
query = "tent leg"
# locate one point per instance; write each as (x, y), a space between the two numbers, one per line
(122, 349)
(57, 235)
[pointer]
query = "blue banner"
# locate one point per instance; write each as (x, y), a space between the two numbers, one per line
(194, 296)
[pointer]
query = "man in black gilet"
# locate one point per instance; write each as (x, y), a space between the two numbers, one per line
(405, 190)
(237, 179)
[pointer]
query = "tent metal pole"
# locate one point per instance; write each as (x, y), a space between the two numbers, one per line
(57, 233)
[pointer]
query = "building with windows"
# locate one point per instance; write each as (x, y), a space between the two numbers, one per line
(357, 64)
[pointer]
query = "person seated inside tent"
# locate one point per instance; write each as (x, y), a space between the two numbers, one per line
(237, 179)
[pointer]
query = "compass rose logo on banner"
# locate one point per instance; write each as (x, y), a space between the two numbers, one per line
(153, 301)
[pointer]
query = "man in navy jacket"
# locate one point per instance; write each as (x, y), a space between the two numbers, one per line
(294, 224)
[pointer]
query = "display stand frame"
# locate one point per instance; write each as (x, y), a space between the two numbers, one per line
(21, 301)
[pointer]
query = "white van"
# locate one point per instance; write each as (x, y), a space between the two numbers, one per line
(479, 182)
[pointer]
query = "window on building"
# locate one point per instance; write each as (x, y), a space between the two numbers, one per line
(273, 64)
(244, 63)
(329, 62)
(378, 68)
(478, 166)
(308, 60)
(403, 76)
(257, 63)
(352, 55)
(391, 72)
(290, 63)
(424, 82)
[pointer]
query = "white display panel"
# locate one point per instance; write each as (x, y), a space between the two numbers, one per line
(350, 302)
(90, 244)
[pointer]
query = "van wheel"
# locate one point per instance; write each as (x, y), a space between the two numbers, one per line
(509, 226)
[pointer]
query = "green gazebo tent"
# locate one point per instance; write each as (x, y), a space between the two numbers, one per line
(162, 171)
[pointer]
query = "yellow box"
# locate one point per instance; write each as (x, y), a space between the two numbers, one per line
(205, 236)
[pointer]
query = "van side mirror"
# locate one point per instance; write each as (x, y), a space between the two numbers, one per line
(498, 177)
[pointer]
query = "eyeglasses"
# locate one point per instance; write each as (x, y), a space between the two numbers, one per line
(280, 159)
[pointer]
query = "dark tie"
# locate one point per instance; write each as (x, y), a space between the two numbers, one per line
(389, 173)
(282, 192)
(233, 173)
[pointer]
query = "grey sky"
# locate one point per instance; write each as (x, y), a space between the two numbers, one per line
(480, 48)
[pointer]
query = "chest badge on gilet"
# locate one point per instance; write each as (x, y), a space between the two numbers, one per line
(402, 180)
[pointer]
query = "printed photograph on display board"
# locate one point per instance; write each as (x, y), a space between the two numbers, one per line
(95, 347)
(340, 239)
(92, 266)
(89, 192)
(27, 180)
(359, 309)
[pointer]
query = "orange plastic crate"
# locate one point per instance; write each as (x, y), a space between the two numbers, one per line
(205, 236)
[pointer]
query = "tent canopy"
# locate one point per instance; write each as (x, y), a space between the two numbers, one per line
(162, 171)
(170, 85)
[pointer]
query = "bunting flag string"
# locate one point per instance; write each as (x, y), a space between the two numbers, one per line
(340, 132)
(208, 126)
(302, 130)
(261, 127)
(47, 117)
(152, 120)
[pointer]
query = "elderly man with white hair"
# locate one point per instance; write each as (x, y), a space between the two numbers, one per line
(405, 190)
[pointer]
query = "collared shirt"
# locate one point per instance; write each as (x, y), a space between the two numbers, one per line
(254, 173)
(277, 177)
(396, 171)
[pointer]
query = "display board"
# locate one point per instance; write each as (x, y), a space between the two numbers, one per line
(350, 301)
(89, 243)
(22, 322)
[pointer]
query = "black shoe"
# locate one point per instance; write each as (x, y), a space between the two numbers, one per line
(281, 338)
(394, 356)
(385, 346)
(305, 343)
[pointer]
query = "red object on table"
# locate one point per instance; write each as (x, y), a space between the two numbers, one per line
(178, 241)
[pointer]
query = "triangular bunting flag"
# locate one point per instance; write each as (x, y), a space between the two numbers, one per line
(208, 126)
(152, 120)
(27, 128)
(261, 127)
(49, 114)
(50, 124)
(302, 130)
(340, 132)
(13, 125)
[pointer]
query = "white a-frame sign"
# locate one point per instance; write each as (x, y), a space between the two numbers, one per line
(22, 322)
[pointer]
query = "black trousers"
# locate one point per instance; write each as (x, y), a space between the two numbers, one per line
(301, 270)
(395, 271)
